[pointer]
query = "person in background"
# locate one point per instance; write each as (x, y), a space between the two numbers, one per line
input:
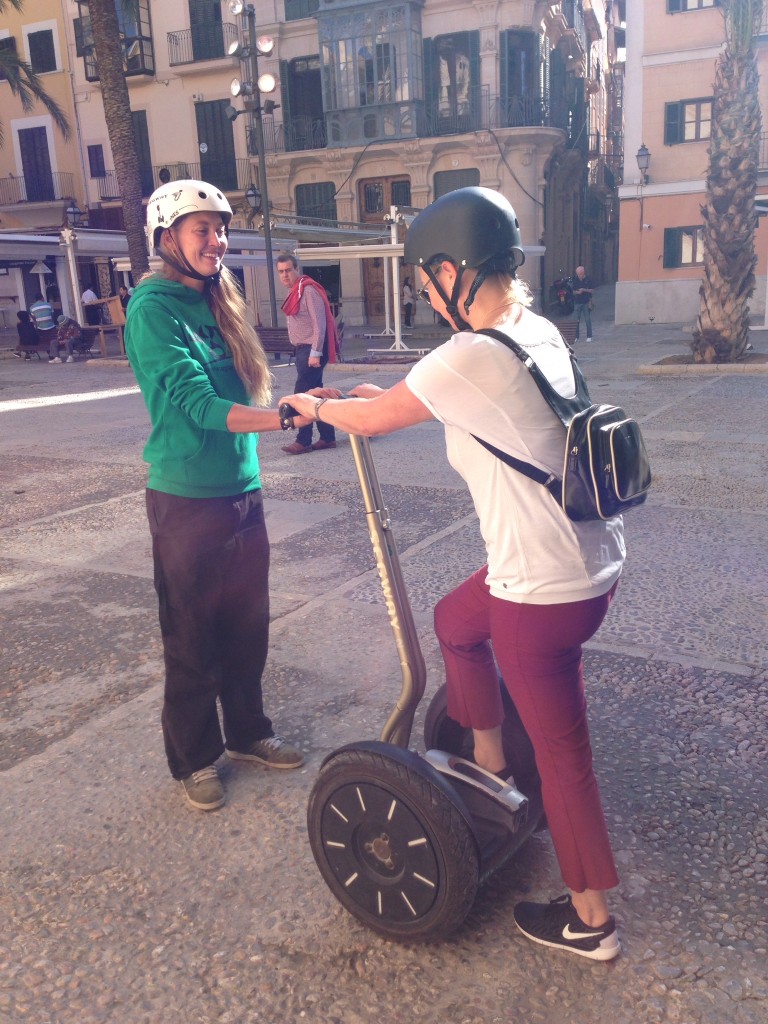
(205, 380)
(582, 301)
(92, 313)
(407, 301)
(42, 314)
(312, 332)
(28, 339)
(68, 333)
(548, 581)
(125, 295)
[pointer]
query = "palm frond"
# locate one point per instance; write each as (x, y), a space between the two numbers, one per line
(26, 84)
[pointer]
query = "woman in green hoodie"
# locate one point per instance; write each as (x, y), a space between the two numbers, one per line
(205, 380)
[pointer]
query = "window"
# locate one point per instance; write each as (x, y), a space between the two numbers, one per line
(42, 52)
(449, 181)
(683, 247)
(520, 69)
(96, 161)
(135, 30)
(7, 45)
(301, 95)
(452, 82)
(676, 6)
(296, 9)
(687, 121)
(316, 200)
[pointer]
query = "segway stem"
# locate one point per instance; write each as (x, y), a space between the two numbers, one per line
(397, 730)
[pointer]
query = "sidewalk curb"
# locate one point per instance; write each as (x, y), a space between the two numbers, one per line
(702, 368)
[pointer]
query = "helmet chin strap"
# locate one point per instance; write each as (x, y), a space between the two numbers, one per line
(182, 264)
(452, 303)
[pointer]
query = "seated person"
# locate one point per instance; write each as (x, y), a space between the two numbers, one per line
(69, 335)
(27, 335)
(42, 313)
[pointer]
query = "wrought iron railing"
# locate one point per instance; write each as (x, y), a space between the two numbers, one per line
(762, 161)
(208, 41)
(42, 188)
(479, 111)
(229, 175)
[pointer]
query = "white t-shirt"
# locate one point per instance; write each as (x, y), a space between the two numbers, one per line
(473, 384)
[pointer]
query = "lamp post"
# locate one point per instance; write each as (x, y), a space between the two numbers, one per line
(251, 92)
(643, 157)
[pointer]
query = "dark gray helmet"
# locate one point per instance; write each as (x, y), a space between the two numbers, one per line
(469, 226)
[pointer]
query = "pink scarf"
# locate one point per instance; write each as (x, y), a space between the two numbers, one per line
(291, 307)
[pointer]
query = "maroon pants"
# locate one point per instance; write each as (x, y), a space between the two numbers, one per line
(538, 650)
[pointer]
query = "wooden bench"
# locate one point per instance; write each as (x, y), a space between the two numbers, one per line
(275, 340)
(568, 329)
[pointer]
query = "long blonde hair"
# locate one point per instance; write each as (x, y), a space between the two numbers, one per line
(226, 301)
(231, 314)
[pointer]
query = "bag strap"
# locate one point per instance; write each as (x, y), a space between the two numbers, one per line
(564, 408)
(551, 481)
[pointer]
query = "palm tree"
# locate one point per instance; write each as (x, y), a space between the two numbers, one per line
(109, 52)
(25, 83)
(721, 333)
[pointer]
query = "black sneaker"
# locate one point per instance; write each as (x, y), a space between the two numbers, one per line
(558, 925)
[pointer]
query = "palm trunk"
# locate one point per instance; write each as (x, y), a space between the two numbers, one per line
(117, 112)
(730, 221)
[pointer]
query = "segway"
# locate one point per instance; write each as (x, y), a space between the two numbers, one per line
(404, 841)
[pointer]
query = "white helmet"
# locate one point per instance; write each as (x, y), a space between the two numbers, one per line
(177, 199)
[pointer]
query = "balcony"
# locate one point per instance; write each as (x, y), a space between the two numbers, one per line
(229, 175)
(47, 188)
(207, 41)
(480, 111)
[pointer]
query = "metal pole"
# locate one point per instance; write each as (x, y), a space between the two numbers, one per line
(68, 238)
(257, 124)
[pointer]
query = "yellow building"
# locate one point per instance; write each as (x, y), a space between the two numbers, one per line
(378, 104)
(672, 50)
(40, 172)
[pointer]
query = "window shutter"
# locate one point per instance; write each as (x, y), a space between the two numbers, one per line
(474, 75)
(8, 44)
(504, 74)
(674, 6)
(672, 112)
(430, 91)
(671, 248)
(285, 92)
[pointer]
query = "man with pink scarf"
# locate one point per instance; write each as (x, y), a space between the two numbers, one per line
(312, 332)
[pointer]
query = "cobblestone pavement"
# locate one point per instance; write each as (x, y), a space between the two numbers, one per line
(121, 905)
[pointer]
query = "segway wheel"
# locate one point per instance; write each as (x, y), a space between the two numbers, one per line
(392, 843)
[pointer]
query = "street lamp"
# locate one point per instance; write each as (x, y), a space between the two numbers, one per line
(74, 215)
(251, 91)
(253, 198)
(643, 157)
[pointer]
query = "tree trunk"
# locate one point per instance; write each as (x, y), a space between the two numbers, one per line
(730, 221)
(117, 112)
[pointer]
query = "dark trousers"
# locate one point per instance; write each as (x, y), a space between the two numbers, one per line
(408, 313)
(538, 650)
(583, 312)
(211, 559)
(308, 377)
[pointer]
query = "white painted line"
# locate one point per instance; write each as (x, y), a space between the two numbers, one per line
(88, 396)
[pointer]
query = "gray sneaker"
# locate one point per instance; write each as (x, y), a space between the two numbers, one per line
(203, 789)
(273, 751)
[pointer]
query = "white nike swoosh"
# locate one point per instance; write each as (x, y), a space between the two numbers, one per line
(568, 934)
